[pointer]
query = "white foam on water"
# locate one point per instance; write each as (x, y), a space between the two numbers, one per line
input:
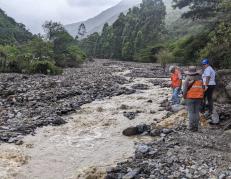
(91, 138)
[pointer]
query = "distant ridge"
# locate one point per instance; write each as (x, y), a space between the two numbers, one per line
(110, 15)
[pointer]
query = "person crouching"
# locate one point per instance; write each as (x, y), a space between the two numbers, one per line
(193, 92)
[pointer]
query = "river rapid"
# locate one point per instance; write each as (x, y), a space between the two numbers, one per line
(90, 142)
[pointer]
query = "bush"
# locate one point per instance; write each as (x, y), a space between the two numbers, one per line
(218, 48)
(73, 57)
(164, 57)
(8, 59)
(75, 53)
(187, 49)
(10, 66)
(148, 54)
(45, 67)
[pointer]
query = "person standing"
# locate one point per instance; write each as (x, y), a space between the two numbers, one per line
(193, 93)
(176, 83)
(209, 76)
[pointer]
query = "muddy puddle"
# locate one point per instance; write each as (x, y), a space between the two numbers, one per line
(92, 139)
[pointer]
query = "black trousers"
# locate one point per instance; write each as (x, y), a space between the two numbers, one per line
(209, 97)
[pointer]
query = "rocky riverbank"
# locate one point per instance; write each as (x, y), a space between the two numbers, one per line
(106, 98)
(31, 101)
(92, 137)
(179, 153)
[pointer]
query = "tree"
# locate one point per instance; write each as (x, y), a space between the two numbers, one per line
(62, 41)
(129, 34)
(117, 39)
(216, 47)
(82, 30)
(90, 45)
(39, 49)
(138, 41)
(53, 29)
(164, 57)
(11, 32)
(105, 41)
(198, 8)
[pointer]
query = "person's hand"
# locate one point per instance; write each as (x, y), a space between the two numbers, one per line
(206, 88)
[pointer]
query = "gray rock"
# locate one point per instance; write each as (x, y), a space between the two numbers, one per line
(131, 174)
(222, 176)
(139, 129)
(142, 148)
(130, 115)
(152, 111)
(166, 131)
(143, 128)
(140, 87)
(131, 131)
(155, 132)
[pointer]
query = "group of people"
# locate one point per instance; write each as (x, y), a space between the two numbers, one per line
(197, 91)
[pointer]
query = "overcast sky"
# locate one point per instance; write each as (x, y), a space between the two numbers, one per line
(33, 13)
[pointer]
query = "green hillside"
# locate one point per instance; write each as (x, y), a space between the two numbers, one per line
(12, 32)
(23, 52)
(156, 32)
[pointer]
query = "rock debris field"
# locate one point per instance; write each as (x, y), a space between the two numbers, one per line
(164, 148)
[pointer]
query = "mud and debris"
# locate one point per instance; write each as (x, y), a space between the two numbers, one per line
(77, 126)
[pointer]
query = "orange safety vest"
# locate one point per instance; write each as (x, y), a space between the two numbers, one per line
(175, 78)
(196, 91)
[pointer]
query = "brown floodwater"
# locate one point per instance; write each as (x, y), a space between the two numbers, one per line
(91, 141)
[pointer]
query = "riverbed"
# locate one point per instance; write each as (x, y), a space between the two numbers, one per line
(91, 140)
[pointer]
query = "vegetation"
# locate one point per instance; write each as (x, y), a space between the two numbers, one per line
(22, 52)
(204, 31)
(12, 32)
(213, 41)
(131, 36)
(65, 48)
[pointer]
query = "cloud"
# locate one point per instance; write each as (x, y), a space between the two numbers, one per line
(94, 3)
(33, 13)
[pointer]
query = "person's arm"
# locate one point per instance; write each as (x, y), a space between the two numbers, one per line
(207, 79)
(185, 87)
(180, 77)
(180, 84)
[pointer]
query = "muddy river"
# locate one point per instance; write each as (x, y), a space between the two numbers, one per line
(91, 141)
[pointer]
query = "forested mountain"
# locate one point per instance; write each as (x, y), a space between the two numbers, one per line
(144, 34)
(110, 15)
(130, 34)
(22, 52)
(12, 32)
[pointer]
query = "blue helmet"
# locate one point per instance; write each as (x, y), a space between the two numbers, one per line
(205, 61)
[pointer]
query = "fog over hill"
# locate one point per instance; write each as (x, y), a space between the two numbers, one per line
(96, 23)
(110, 15)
